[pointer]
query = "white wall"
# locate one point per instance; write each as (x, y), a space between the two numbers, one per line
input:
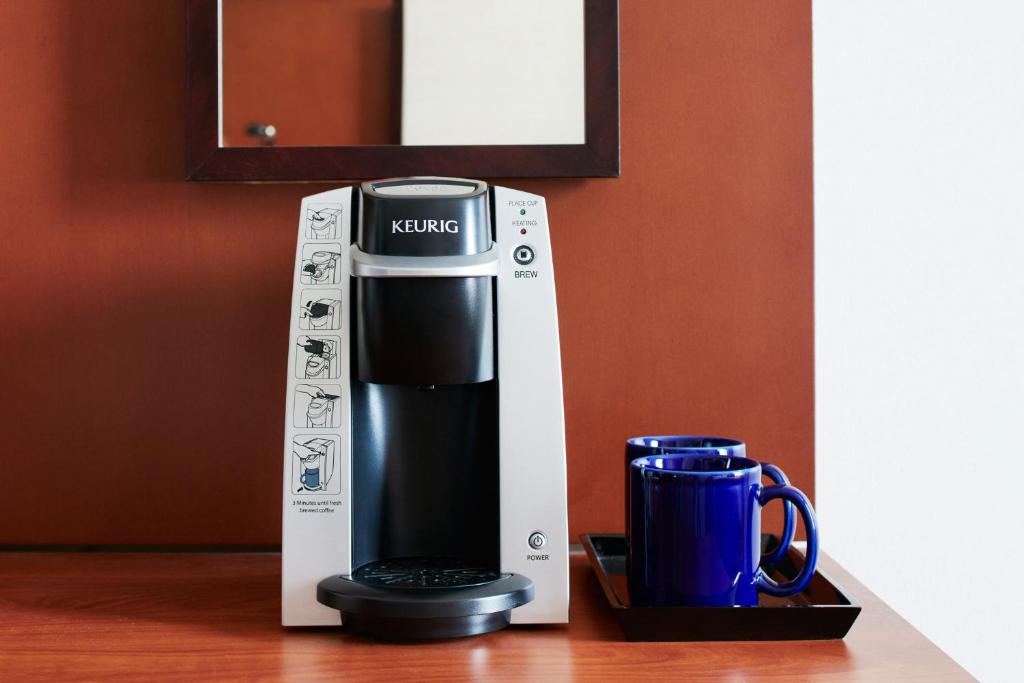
(493, 72)
(919, 172)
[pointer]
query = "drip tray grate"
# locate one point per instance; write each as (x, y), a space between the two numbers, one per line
(415, 598)
(424, 572)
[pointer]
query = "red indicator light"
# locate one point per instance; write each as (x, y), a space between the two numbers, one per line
(522, 231)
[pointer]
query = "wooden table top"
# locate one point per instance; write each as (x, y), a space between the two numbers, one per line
(86, 616)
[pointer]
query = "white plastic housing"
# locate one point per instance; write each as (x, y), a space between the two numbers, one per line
(317, 533)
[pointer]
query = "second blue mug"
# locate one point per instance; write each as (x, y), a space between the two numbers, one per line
(694, 526)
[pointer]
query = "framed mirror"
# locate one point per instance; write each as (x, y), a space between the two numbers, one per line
(315, 90)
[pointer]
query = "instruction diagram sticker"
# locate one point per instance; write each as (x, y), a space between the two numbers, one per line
(316, 406)
(320, 264)
(320, 309)
(323, 221)
(317, 358)
(314, 461)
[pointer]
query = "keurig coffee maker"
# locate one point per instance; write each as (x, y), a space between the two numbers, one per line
(445, 514)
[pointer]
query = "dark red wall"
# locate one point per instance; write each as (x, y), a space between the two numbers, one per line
(324, 72)
(144, 332)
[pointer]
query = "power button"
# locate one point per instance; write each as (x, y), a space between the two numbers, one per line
(523, 255)
(538, 540)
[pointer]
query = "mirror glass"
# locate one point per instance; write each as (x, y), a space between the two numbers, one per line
(410, 72)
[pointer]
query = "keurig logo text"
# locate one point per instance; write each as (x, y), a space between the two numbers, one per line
(425, 225)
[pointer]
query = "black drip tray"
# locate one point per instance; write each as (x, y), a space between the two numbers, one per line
(417, 598)
(823, 611)
(424, 572)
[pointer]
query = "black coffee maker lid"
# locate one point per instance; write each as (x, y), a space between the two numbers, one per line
(424, 216)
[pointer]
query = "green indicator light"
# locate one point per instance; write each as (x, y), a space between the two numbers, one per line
(522, 212)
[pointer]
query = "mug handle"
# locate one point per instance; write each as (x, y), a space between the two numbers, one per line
(767, 584)
(788, 517)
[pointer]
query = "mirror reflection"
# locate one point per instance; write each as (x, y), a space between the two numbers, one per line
(410, 72)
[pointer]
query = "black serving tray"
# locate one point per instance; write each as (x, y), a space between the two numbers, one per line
(823, 611)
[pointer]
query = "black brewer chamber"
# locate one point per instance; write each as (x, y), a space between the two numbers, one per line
(425, 515)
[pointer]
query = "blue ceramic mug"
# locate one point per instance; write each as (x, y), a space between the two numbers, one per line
(710, 445)
(694, 525)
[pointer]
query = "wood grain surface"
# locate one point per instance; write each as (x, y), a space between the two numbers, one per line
(174, 616)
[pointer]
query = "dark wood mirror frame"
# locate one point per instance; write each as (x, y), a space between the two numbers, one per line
(208, 160)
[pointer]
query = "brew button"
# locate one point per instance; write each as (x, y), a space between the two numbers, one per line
(538, 540)
(523, 255)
